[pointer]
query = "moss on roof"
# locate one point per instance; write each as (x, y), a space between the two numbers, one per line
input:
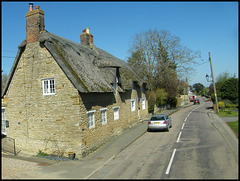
(89, 70)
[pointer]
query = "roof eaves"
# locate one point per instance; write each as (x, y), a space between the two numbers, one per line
(21, 49)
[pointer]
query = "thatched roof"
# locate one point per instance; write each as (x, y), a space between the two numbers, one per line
(89, 70)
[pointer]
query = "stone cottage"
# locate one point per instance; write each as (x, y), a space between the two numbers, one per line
(64, 96)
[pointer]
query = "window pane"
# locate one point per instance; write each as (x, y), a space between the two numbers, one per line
(133, 105)
(52, 87)
(90, 120)
(46, 87)
(103, 116)
(116, 113)
(143, 104)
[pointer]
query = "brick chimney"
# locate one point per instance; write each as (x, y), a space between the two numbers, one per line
(86, 38)
(34, 23)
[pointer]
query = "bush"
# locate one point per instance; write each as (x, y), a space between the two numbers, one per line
(221, 105)
(172, 101)
(151, 101)
(229, 90)
(40, 153)
(213, 98)
(161, 97)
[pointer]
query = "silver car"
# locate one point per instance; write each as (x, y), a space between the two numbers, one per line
(159, 122)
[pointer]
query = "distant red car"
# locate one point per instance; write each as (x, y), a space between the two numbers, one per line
(193, 98)
(196, 101)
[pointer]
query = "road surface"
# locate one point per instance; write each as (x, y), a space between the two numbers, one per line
(192, 149)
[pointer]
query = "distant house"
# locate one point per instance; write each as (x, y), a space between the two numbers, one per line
(63, 96)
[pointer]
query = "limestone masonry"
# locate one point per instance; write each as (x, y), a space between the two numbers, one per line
(63, 96)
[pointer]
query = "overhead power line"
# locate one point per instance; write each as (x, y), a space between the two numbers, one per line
(7, 57)
(9, 51)
(201, 64)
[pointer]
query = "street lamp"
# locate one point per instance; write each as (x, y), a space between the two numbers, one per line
(207, 77)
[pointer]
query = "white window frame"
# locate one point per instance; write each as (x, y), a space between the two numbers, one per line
(104, 115)
(143, 103)
(133, 105)
(91, 119)
(48, 86)
(116, 112)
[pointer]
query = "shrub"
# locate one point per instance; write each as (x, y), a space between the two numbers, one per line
(151, 101)
(229, 89)
(161, 97)
(172, 101)
(221, 105)
(213, 98)
(40, 153)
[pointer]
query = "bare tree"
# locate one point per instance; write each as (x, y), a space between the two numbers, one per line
(160, 59)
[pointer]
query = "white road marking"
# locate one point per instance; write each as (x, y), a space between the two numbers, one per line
(170, 163)
(174, 151)
(183, 125)
(179, 136)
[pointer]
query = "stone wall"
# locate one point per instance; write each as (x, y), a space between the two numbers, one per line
(56, 124)
(37, 121)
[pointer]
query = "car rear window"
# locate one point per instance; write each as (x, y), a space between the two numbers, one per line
(157, 118)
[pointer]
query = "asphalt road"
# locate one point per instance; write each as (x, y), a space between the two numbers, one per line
(193, 149)
(196, 147)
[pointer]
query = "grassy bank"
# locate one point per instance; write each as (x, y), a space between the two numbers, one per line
(228, 112)
(234, 126)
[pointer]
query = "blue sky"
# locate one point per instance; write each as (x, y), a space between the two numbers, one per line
(204, 26)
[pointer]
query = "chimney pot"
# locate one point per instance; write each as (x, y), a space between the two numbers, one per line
(83, 30)
(30, 6)
(88, 30)
(37, 7)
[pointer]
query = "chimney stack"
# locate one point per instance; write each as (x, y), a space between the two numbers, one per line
(34, 23)
(86, 38)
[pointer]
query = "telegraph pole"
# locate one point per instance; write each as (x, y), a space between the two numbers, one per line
(214, 87)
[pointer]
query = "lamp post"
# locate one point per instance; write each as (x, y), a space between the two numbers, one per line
(214, 87)
(207, 77)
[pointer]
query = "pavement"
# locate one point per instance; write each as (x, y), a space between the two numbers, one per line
(225, 131)
(94, 161)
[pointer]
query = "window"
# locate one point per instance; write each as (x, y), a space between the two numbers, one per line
(48, 86)
(91, 122)
(133, 105)
(143, 103)
(116, 113)
(104, 115)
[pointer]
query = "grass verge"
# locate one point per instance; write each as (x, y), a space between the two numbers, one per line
(227, 113)
(234, 126)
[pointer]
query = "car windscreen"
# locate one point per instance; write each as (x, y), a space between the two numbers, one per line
(157, 118)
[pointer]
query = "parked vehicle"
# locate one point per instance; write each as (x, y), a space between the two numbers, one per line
(196, 101)
(193, 98)
(159, 122)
